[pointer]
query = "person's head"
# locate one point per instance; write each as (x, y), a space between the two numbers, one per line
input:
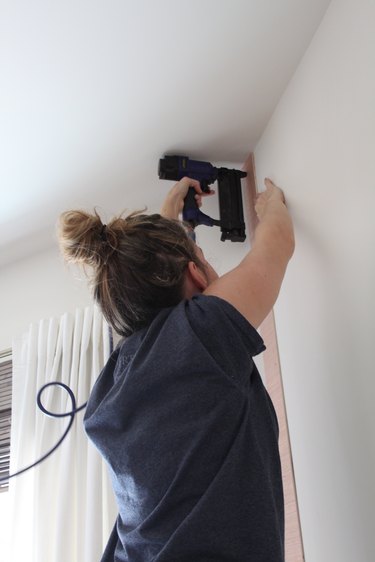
(139, 264)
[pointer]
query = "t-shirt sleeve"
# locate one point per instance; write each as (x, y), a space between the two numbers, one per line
(226, 334)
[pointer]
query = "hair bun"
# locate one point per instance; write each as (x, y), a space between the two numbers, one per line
(83, 238)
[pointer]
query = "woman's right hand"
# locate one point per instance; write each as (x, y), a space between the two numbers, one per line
(272, 193)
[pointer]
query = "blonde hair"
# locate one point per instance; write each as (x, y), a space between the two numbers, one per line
(137, 263)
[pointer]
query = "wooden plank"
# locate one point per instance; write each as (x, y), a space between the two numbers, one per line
(293, 536)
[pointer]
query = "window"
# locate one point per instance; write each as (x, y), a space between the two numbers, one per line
(5, 416)
(5, 420)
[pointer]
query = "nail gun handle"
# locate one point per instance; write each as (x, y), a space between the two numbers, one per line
(192, 214)
(190, 211)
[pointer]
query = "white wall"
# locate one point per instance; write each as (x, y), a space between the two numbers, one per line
(38, 287)
(320, 148)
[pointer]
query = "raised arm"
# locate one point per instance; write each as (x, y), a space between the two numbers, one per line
(253, 286)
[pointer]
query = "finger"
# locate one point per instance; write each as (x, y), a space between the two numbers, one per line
(190, 182)
(211, 192)
(269, 183)
(198, 199)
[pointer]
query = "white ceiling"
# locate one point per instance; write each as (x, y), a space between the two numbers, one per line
(94, 92)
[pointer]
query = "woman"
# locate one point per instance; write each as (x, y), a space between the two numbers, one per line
(180, 412)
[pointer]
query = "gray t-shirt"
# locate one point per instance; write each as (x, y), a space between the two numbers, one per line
(190, 435)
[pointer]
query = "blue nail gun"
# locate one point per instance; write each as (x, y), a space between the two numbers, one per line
(231, 221)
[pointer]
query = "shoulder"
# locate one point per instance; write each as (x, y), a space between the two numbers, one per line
(197, 331)
(216, 320)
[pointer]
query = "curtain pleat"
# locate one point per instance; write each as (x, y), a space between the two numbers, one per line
(64, 509)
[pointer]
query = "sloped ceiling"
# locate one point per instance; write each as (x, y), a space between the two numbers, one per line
(94, 92)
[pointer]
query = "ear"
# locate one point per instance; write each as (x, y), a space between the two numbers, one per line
(196, 276)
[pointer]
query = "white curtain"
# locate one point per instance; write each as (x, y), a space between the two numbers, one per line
(62, 510)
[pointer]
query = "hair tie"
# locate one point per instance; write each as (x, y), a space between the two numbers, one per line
(103, 233)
